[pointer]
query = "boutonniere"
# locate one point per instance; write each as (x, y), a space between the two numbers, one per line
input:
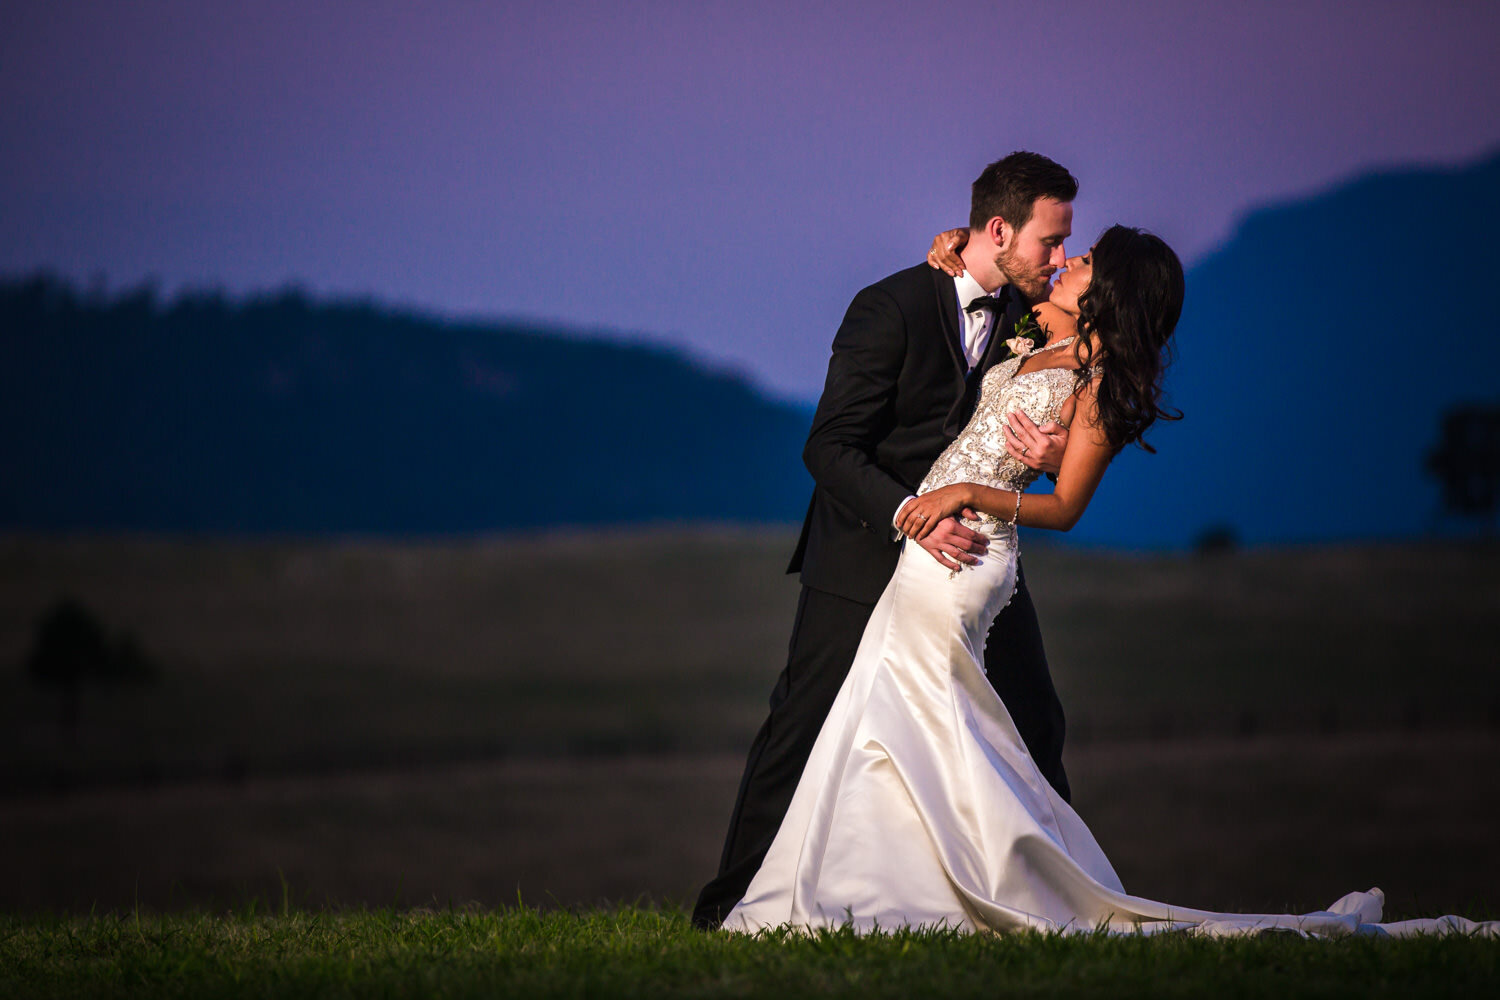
(1025, 338)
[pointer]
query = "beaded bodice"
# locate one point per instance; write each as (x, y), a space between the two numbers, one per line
(978, 454)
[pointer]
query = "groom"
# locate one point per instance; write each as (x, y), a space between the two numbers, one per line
(902, 382)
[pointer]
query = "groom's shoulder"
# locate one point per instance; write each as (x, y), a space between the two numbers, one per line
(908, 286)
(912, 280)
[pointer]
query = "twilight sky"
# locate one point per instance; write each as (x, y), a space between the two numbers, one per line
(722, 176)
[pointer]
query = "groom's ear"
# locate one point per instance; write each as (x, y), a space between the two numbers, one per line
(999, 232)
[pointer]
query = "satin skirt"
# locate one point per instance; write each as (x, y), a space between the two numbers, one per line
(920, 806)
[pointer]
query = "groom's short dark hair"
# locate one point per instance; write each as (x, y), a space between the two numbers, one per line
(1009, 187)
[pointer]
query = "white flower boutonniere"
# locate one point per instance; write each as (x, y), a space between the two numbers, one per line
(1027, 336)
(1019, 345)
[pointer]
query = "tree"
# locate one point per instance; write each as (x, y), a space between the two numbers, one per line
(72, 646)
(1467, 462)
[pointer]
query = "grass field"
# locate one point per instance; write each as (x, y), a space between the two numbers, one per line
(436, 723)
(282, 657)
(1283, 824)
(644, 953)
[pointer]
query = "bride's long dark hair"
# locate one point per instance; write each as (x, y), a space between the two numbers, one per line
(1132, 305)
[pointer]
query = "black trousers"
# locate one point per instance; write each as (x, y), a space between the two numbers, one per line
(825, 637)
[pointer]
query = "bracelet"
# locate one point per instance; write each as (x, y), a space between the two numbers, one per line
(1015, 519)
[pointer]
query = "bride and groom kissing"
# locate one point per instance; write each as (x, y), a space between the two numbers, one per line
(909, 772)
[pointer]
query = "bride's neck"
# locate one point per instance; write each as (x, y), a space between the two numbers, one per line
(1059, 325)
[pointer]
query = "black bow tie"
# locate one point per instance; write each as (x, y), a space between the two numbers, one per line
(995, 302)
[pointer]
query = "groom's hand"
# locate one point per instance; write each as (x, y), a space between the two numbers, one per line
(1040, 448)
(950, 543)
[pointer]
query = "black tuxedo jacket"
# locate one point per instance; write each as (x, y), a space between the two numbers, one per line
(898, 391)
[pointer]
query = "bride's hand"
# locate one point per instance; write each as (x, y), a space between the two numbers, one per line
(923, 513)
(944, 253)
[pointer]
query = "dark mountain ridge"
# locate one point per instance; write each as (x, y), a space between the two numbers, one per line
(1319, 349)
(282, 414)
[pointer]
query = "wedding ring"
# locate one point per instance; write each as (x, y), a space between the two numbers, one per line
(1026, 450)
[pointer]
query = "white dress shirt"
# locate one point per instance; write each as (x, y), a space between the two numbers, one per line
(977, 324)
(977, 328)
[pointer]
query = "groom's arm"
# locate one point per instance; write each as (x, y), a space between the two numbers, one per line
(858, 407)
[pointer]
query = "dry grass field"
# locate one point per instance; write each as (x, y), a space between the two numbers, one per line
(1276, 824)
(379, 722)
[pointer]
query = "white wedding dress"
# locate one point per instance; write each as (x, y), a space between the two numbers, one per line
(920, 805)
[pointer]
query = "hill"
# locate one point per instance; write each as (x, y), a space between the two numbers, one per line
(1318, 350)
(282, 414)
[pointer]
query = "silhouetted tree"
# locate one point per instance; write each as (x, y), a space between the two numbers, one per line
(72, 646)
(1467, 462)
(1216, 539)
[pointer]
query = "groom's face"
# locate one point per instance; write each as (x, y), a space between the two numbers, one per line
(1029, 257)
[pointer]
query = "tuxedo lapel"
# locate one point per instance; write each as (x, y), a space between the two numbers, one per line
(1004, 329)
(994, 351)
(947, 302)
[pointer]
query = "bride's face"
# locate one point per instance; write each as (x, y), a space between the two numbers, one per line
(1072, 282)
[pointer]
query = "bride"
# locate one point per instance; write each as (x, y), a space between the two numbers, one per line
(919, 805)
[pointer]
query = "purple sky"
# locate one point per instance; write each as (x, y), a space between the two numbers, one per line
(718, 175)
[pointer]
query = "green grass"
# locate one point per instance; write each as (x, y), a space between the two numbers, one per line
(635, 952)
